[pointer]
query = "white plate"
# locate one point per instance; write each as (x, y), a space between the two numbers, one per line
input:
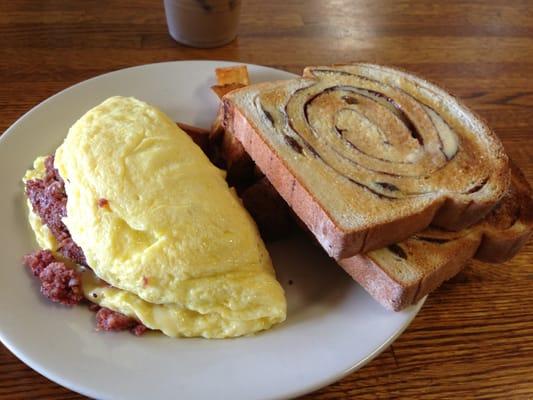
(333, 326)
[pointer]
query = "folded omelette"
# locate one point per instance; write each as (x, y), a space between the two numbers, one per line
(173, 247)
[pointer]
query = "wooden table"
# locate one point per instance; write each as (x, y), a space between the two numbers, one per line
(474, 336)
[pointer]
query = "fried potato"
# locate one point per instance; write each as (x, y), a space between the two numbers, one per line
(230, 78)
(232, 75)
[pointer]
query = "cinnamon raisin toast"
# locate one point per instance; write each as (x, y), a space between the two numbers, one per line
(367, 156)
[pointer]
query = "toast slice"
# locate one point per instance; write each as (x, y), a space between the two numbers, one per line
(401, 274)
(367, 155)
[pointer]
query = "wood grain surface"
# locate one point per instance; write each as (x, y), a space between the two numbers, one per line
(474, 337)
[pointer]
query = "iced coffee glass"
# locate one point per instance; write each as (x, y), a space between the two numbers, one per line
(203, 23)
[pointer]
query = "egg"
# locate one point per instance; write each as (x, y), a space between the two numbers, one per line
(157, 221)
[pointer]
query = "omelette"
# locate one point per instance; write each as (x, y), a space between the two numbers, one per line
(164, 240)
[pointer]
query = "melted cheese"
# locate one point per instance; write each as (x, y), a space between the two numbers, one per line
(182, 253)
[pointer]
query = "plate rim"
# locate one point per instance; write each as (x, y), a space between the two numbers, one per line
(377, 351)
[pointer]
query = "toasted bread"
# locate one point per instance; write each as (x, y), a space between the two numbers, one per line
(366, 155)
(403, 273)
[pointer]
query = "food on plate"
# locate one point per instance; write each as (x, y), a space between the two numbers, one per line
(149, 228)
(259, 197)
(230, 152)
(221, 90)
(268, 209)
(366, 155)
(234, 75)
(380, 125)
(132, 216)
(198, 135)
(230, 78)
(401, 274)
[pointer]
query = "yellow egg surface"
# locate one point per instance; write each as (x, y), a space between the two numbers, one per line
(174, 241)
